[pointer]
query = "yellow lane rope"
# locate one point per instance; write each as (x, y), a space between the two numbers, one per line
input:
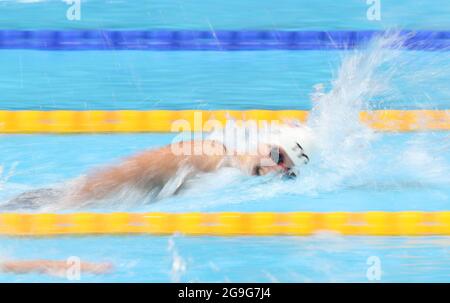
(376, 223)
(63, 121)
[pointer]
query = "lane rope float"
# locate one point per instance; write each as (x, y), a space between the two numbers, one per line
(372, 223)
(217, 40)
(124, 121)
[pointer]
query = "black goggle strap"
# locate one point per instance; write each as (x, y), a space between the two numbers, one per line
(302, 155)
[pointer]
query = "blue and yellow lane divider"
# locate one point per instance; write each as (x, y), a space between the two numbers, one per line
(372, 223)
(123, 121)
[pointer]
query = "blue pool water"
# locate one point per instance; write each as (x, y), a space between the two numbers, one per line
(267, 259)
(232, 14)
(371, 171)
(202, 80)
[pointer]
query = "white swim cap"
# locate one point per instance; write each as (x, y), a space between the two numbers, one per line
(297, 141)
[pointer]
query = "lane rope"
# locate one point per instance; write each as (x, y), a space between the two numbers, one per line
(219, 40)
(373, 223)
(132, 121)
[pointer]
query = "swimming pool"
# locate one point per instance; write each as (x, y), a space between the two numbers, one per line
(383, 171)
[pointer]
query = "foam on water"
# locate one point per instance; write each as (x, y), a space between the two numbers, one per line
(345, 143)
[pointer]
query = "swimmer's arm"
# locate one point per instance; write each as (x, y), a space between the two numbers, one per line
(150, 169)
(52, 267)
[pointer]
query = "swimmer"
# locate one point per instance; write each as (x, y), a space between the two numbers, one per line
(52, 267)
(149, 172)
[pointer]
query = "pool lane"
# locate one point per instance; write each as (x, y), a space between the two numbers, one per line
(37, 80)
(320, 258)
(402, 172)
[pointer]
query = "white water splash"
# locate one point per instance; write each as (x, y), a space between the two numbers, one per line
(350, 153)
(345, 142)
(179, 265)
(6, 175)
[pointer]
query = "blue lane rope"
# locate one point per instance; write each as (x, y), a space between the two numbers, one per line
(208, 40)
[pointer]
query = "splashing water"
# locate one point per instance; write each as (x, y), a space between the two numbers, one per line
(178, 263)
(6, 175)
(345, 142)
(350, 153)
(347, 155)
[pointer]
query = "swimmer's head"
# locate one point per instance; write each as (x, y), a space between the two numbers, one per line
(295, 145)
(282, 150)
